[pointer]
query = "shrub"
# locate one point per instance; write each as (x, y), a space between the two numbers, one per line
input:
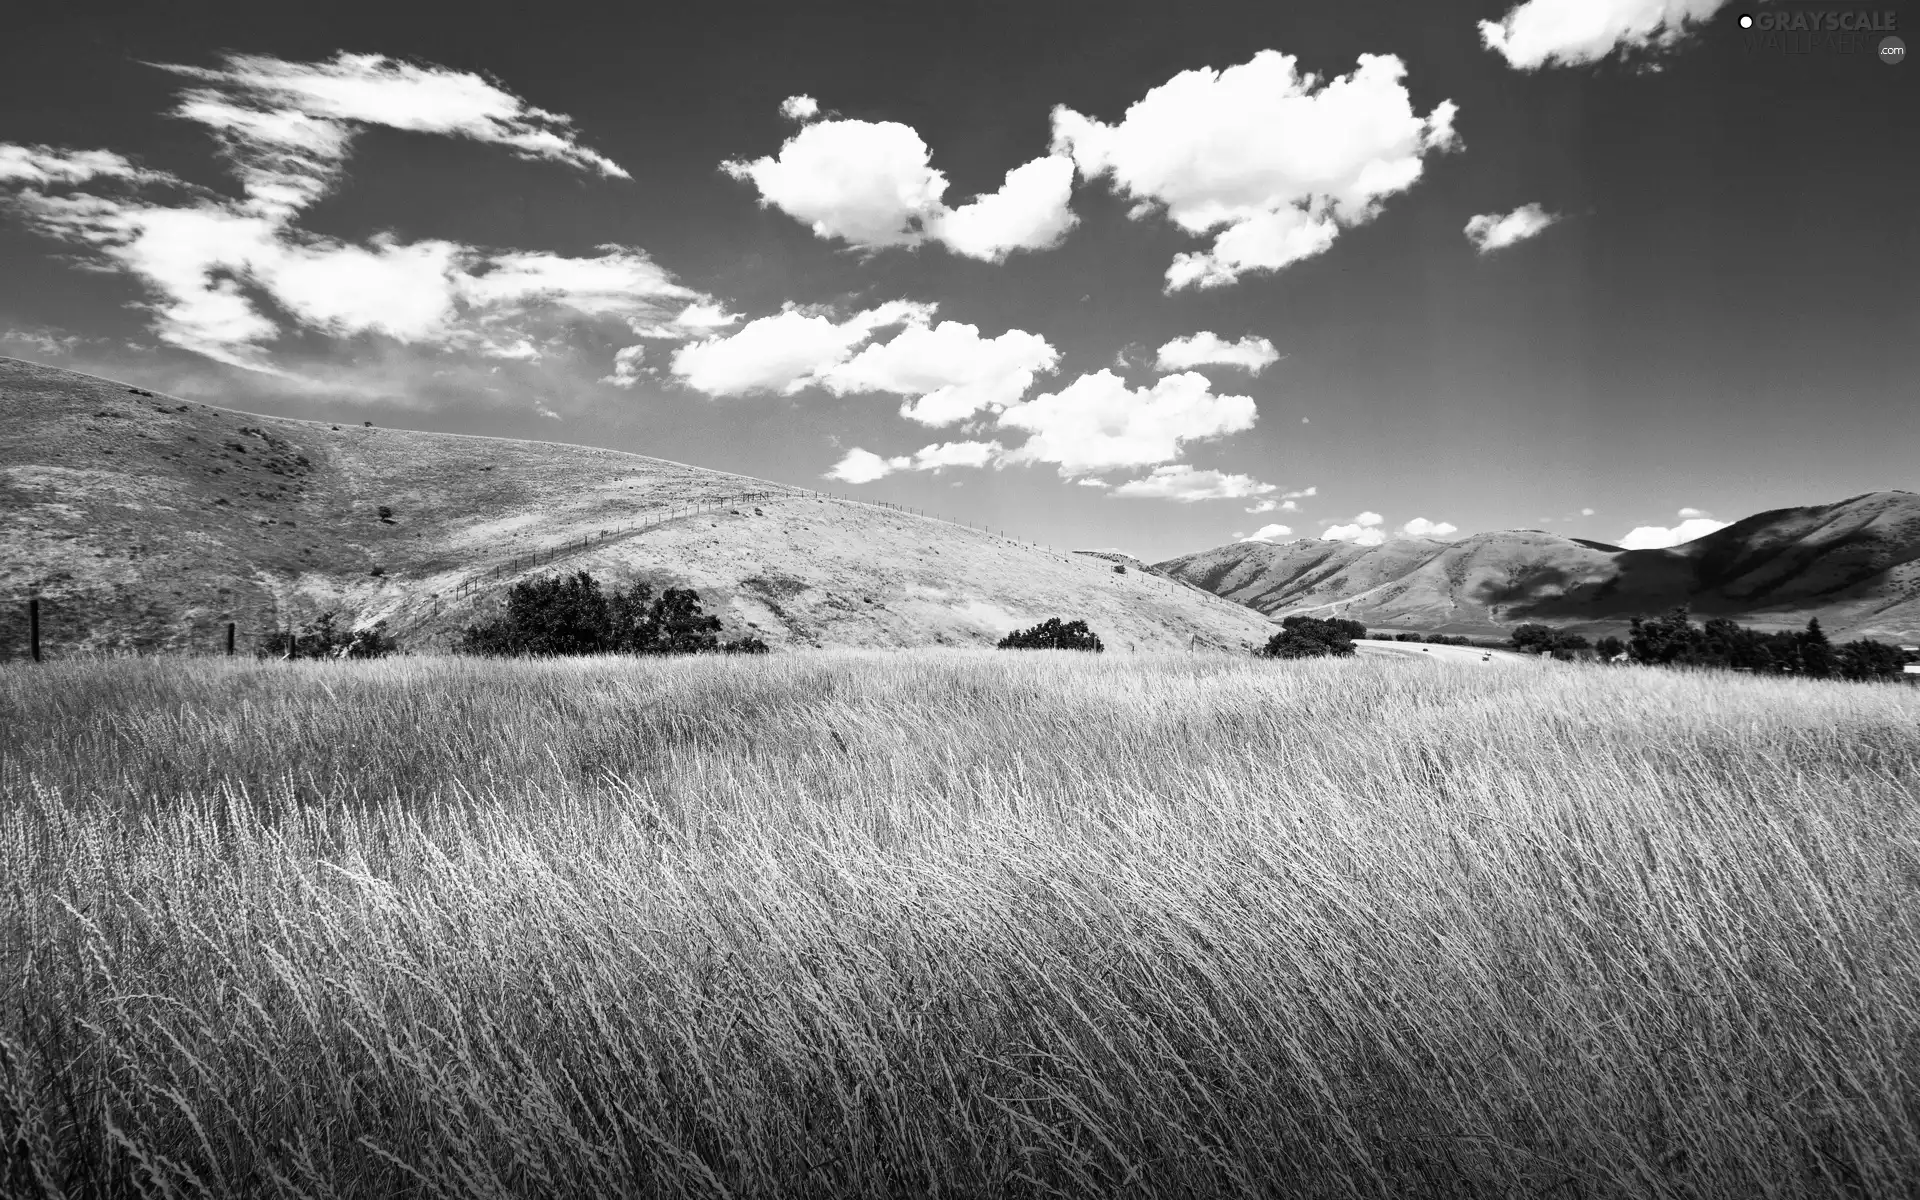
(570, 615)
(1406, 637)
(386, 514)
(1119, 569)
(1051, 634)
(1310, 637)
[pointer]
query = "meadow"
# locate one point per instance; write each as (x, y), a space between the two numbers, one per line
(955, 923)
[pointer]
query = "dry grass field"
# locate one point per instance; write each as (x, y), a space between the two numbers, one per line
(955, 923)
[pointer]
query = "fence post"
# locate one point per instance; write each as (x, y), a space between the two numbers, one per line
(229, 639)
(33, 625)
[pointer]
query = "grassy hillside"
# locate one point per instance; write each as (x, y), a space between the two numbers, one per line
(1854, 564)
(964, 923)
(147, 523)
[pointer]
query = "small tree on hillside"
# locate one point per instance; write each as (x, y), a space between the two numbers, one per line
(1609, 648)
(1052, 634)
(1310, 637)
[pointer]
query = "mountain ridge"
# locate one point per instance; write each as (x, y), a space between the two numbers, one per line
(1854, 564)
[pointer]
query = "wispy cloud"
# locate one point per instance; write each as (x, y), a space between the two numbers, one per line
(1188, 485)
(287, 128)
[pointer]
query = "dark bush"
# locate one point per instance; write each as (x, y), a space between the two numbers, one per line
(386, 514)
(1051, 634)
(1119, 569)
(1609, 647)
(570, 615)
(1406, 637)
(1310, 637)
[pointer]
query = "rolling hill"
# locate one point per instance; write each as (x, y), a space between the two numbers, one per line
(1854, 564)
(146, 522)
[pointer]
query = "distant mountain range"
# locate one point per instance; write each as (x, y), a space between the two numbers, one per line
(146, 522)
(1854, 564)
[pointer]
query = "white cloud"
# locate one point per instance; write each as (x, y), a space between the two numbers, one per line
(1586, 512)
(787, 351)
(1357, 534)
(287, 129)
(540, 406)
(288, 124)
(1571, 32)
(867, 183)
(1187, 485)
(1093, 483)
(626, 367)
(864, 466)
(45, 166)
(1421, 527)
(1269, 160)
(1694, 524)
(1255, 354)
(1491, 231)
(952, 370)
(871, 184)
(43, 341)
(799, 108)
(1029, 212)
(1363, 531)
(1097, 422)
(1267, 533)
(1302, 494)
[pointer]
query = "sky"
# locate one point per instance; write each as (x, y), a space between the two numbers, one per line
(1140, 276)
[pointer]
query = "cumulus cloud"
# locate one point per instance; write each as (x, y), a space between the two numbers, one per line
(1694, 524)
(1491, 231)
(1364, 530)
(864, 466)
(1254, 354)
(1268, 533)
(872, 185)
(1540, 33)
(1267, 159)
(1093, 483)
(1586, 512)
(626, 367)
(950, 368)
(799, 108)
(1421, 527)
(1097, 422)
(787, 351)
(286, 129)
(1187, 485)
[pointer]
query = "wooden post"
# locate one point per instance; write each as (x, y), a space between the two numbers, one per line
(229, 639)
(33, 625)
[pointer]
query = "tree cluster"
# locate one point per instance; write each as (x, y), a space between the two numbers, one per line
(323, 637)
(1051, 634)
(1435, 639)
(569, 614)
(1545, 639)
(1673, 640)
(1311, 637)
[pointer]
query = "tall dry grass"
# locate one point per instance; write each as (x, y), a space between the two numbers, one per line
(955, 924)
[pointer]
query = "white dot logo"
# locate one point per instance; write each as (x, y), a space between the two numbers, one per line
(1893, 51)
(1746, 21)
